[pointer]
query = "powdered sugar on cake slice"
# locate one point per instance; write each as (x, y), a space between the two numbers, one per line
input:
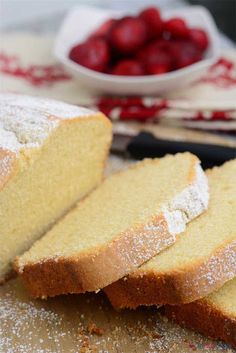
(26, 121)
(23, 127)
(187, 205)
(52, 107)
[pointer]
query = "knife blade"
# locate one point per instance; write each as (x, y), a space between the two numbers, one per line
(145, 145)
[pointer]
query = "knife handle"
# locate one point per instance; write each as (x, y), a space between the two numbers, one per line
(146, 145)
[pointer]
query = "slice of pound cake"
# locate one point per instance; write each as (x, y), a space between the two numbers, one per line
(201, 261)
(214, 315)
(132, 216)
(51, 155)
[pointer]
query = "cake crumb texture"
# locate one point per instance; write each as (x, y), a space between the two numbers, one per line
(51, 155)
(132, 216)
(202, 260)
(214, 315)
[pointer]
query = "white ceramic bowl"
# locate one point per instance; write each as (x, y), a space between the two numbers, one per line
(83, 20)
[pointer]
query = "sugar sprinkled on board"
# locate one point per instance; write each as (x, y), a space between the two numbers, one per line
(55, 326)
(22, 319)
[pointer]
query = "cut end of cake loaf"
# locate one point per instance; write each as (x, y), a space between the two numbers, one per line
(51, 155)
(132, 216)
(213, 316)
(202, 260)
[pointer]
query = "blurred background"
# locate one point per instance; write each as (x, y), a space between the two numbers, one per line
(204, 110)
(17, 13)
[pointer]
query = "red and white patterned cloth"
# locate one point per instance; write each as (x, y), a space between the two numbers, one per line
(27, 66)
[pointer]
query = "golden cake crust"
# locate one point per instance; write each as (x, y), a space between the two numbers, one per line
(183, 283)
(73, 275)
(176, 287)
(206, 319)
(10, 161)
(114, 260)
(26, 125)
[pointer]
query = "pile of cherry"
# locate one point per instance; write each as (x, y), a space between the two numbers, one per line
(141, 45)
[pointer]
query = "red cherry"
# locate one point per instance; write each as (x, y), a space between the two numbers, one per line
(150, 49)
(104, 29)
(155, 59)
(128, 67)
(128, 35)
(176, 27)
(158, 68)
(162, 44)
(159, 64)
(199, 37)
(152, 18)
(185, 53)
(93, 54)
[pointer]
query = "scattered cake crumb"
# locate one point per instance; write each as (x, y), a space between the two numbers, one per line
(94, 329)
(87, 347)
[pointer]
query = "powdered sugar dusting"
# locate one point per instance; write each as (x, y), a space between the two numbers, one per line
(52, 107)
(59, 325)
(26, 121)
(5, 165)
(145, 242)
(136, 244)
(189, 204)
(218, 269)
(63, 325)
(23, 127)
(22, 319)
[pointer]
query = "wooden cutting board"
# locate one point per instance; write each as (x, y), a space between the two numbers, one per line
(88, 323)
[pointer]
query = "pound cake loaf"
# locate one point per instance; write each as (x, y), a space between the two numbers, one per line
(214, 315)
(132, 216)
(51, 155)
(201, 261)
